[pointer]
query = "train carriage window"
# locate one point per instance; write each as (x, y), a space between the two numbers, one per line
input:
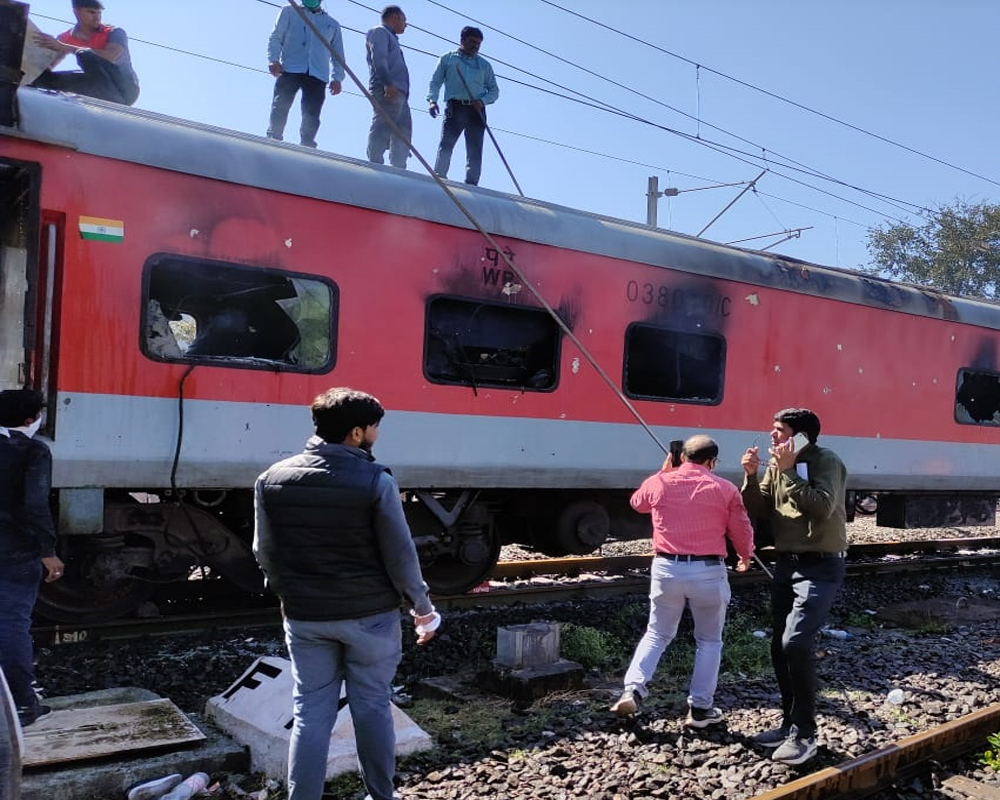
(476, 343)
(662, 364)
(977, 398)
(216, 312)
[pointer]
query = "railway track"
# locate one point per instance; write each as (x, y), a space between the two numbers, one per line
(515, 582)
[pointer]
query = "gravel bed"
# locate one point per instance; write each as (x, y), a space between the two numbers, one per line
(569, 746)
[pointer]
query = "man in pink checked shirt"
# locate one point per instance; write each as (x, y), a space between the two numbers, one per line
(694, 512)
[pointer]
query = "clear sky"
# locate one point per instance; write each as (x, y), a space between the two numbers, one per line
(920, 73)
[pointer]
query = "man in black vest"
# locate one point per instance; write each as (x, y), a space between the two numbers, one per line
(333, 542)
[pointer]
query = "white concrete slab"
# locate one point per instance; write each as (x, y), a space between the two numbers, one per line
(257, 711)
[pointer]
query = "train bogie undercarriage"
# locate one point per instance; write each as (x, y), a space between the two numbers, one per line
(150, 538)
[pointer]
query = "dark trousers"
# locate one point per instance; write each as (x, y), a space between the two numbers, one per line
(459, 119)
(18, 590)
(802, 593)
(97, 77)
(313, 95)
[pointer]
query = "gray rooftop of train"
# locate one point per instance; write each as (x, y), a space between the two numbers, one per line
(144, 137)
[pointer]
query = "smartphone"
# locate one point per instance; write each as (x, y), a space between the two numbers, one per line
(799, 441)
(676, 448)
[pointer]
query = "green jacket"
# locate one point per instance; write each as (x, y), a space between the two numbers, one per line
(805, 514)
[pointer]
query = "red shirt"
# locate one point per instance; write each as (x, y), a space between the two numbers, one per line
(694, 511)
(99, 41)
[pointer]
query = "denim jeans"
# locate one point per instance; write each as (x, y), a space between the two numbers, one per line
(97, 77)
(313, 96)
(459, 118)
(364, 654)
(674, 584)
(381, 137)
(802, 592)
(19, 584)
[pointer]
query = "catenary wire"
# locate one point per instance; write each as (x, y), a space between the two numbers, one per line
(774, 95)
(693, 138)
(592, 103)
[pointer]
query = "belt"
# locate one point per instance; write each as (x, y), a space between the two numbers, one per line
(456, 101)
(812, 555)
(682, 557)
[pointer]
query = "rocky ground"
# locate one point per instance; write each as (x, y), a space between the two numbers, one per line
(569, 746)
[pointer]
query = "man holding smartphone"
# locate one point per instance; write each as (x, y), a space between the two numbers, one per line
(802, 497)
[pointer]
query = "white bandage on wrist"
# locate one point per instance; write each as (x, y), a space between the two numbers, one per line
(431, 626)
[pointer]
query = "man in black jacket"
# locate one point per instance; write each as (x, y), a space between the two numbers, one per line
(27, 541)
(333, 542)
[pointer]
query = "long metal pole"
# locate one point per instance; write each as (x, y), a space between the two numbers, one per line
(652, 195)
(746, 189)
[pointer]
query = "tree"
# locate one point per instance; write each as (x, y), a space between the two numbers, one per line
(956, 251)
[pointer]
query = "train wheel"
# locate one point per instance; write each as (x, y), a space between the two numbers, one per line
(95, 587)
(458, 545)
(582, 527)
(467, 568)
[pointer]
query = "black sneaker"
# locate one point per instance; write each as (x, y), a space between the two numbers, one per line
(26, 717)
(772, 738)
(627, 704)
(703, 717)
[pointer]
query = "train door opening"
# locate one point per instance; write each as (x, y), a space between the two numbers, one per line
(19, 283)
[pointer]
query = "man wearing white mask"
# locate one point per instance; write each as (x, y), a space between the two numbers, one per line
(27, 540)
(301, 61)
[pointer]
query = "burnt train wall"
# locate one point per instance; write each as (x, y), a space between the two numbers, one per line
(142, 137)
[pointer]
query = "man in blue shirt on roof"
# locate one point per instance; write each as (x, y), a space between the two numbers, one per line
(389, 83)
(299, 60)
(469, 86)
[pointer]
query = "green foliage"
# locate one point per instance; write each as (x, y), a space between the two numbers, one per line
(589, 647)
(957, 250)
(991, 757)
(742, 652)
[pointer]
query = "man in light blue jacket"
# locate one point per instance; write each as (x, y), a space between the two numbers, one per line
(299, 60)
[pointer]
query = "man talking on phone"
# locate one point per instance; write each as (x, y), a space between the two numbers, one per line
(801, 497)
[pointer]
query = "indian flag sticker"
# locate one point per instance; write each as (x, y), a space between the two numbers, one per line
(102, 230)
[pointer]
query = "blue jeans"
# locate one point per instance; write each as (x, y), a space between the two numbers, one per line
(802, 592)
(19, 584)
(381, 137)
(459, 118)
(313, 96)
(364, 653)
(97, 77)
(674, 584)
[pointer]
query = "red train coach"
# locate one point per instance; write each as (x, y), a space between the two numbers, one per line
(181, 292)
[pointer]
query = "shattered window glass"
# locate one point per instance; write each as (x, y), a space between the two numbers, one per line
(977, 398)
(476, 343)
(663, 364)
(229, 314)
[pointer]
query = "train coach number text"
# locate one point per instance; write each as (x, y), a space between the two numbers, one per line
(686, 301)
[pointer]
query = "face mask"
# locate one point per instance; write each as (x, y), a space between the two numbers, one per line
(311, 3)
(32, 429)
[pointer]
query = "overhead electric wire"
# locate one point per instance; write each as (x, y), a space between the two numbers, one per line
(691, 137)
(774, 95)
(598, 105)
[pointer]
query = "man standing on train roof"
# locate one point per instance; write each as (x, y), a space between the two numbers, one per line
(802, 499)
(102, 53)
(469, 86)
(389, 83)
(694, 512)
(301, 61)
(334, 545)
(27, 541)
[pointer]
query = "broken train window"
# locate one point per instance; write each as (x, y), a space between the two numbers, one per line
(662, 364)
(476, 343)
(977, 398)
(198, 310)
